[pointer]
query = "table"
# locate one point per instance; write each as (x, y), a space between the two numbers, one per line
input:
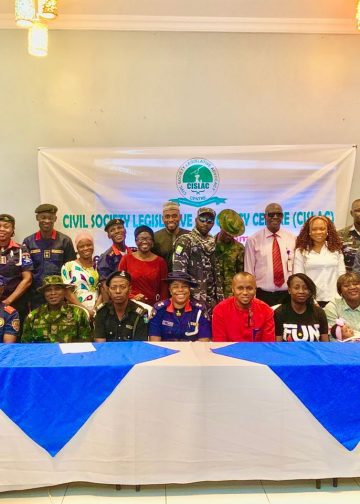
(190, 416)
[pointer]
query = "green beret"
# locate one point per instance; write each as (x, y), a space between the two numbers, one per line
(231, 222)
(54, 280)
(46, 207)
(7, 218)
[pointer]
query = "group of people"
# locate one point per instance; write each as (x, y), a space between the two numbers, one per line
(180, 285)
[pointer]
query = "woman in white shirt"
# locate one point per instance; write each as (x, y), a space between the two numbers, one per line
(318, 254)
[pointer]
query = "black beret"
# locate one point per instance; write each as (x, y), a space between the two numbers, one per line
(46, 207)
(114, 222)
(121, 274)
(7, 218)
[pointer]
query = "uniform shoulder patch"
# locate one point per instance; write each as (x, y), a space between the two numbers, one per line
(179, 249)
(9, 309)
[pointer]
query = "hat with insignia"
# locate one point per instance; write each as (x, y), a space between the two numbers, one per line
(231, 222)
(206, 210)
(120, 274)
(171, 205)
(46, 207)
(114, 222)
(181, 276)
(4, 217)
(50, 280)
(3, 281)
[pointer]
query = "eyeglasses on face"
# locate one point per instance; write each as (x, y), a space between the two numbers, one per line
(208, 220)
(274, 214)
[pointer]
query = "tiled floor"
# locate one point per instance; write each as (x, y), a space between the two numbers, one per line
(229, 492)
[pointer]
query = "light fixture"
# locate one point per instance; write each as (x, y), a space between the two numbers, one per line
(49, 9)
(38, 39)
(30, 14)
(24, 12)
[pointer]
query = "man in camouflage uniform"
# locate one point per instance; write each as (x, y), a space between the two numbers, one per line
(230, 253)
(56, 321)
(350, 236)
(195, 254)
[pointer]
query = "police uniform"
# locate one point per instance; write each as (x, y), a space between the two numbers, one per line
(351, 244)
(195, 255)
(9, 321)
(132, 327)
(68, 324)
(110, 259)
(188, 324)
(13, 261)
(164, 244)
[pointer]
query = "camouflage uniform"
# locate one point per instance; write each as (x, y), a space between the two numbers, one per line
(195, 254)
(231, 261)
(68, 324)
(351, 244)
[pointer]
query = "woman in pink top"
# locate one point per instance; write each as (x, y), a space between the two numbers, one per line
(147, 270)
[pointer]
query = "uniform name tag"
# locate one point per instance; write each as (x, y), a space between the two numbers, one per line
(167, 323)
(3, 260)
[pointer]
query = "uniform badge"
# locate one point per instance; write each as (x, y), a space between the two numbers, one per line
(54, 329)
(129, 326)
(167, 323)
(1, 322)
(15, 324)
(3, 260)
(47, 254)
(179, 249)
(69, 316)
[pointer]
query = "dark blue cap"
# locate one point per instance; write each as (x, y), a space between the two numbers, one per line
(181, 276)
(121, 274)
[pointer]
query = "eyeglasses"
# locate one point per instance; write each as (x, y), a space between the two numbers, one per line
(208, 220)
(274, 214)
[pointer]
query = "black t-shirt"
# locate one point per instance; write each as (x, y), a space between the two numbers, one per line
(307, 326)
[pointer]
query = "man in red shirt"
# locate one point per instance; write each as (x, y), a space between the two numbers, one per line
(242, 317)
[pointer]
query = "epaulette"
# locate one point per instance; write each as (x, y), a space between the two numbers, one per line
(9, 309)
(161, 304)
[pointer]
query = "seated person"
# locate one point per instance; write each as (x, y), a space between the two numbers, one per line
(57, 321)
(179, 318)
(9, 319)
(343, 314)
(298, 318)
(242, 317)
(121, 319)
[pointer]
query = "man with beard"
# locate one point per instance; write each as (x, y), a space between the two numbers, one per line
(195, 254)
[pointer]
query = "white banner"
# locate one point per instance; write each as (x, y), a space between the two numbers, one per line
(92, 186)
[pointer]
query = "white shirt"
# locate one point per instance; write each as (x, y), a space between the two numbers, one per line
(324, 268)
(258, 257)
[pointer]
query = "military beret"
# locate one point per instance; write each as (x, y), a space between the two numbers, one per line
(7, 218)
(206, 210)
(171, 205)
(3, 281)
(46, 207)
(231, 222)
(114, 222)
(50, 280)
(181, 276)
(120, 274)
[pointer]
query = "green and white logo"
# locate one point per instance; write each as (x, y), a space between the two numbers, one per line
(197, 181)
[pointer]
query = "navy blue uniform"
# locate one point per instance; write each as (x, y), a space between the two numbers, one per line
(188, 324)
(48, 255)
(13, 261)
(110, 259)
(9, 321)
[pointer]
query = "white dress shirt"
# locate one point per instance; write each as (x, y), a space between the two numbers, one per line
(324, 268)
(258, 257)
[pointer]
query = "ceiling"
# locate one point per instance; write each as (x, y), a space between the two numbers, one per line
(308, 16)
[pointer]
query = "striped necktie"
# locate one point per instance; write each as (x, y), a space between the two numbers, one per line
(278, 269)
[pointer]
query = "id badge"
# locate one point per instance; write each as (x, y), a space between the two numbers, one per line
(3, 260)
(47, 254)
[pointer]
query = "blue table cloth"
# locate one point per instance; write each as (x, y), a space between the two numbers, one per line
(50, 395)
(324, 376)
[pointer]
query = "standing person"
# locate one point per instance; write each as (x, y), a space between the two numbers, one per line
(110, 259)
(195, 254)
(148, 271)
(318, 254)
(49, 250)
(242, 317)
(82, 275)
(56, 321)
(121, 319)
(9, 319)
(299, 319)
(269, 256)
(16, 266)
(179, 318)
(165, 238)
(350, 237)
(230, 252)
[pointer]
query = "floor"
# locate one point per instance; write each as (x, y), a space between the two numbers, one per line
(229, 492)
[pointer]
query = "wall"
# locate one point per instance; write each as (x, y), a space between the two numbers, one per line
(152, 89)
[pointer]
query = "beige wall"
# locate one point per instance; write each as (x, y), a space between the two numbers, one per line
(153, 89)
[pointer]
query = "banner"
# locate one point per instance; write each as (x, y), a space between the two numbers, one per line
(91, 186)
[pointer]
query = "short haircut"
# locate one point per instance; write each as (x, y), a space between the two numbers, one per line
(346, 277)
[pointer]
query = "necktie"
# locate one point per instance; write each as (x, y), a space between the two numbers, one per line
(279, 278)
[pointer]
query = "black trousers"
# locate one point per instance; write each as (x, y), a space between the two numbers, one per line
(272, 298)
